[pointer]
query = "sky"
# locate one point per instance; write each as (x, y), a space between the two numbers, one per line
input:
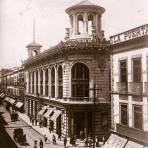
(16, 23)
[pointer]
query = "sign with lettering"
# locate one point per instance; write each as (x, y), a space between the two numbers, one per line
(130, 34)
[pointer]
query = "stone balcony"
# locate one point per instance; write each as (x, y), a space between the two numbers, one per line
(121, 87)
(135, 88)
(70, 100)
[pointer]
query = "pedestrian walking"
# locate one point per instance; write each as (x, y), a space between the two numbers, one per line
(86, 142)
(59, 136)
(45, 138)
(65, 142)
(36, 121)
(35, 144)
(50, 128)
(41, 143)
(54, 139)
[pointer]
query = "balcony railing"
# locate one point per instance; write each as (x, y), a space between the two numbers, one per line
(121, 87)
(78, 99)
(135, 88)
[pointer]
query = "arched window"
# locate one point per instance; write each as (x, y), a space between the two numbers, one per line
(46, 82)
(41, 82)
(80, 24)
(90, 24)
(32, 82)
(60, 82)
(37, 82)
(53, 82)
(80, 80)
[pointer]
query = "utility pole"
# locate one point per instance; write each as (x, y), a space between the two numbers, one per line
(94, 113)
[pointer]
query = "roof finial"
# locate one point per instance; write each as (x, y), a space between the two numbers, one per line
(33, 29)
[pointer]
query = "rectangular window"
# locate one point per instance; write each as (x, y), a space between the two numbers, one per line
(123, 71)
(137, 115)
(124, 114)
(137, 70)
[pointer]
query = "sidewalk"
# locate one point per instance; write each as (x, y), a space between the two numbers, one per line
(44, 131)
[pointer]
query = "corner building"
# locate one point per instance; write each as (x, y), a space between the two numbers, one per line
(60, 80)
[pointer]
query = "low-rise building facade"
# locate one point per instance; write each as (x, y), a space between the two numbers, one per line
(129, 85)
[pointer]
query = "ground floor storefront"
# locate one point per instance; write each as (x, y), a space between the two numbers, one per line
(69, 120)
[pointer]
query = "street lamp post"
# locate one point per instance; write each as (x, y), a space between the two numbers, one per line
(94, 113)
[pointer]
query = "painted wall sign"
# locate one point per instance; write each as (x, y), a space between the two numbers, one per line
(130, 34)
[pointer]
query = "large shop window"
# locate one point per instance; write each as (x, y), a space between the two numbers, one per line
(123, 71)
(60, 82)
(137, 115)
(46, 82)
(53, 82)
(80, 80)
(137, 70)
(124, 114)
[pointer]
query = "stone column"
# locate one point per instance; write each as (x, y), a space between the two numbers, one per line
(85, 23)
(96, 25)
(74, 24)
(44, 85)
(49, 82)
(35, 82)
(56, 82)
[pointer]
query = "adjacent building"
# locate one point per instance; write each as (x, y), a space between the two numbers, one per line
(130, 87)
(67, 86)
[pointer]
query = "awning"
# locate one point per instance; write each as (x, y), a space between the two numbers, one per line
(115, 141)
(2, 95)
(19, 104)
(132, 144)
(7, 99)
(55, 115)
(11, 101)
(42, 111)
(48, 113)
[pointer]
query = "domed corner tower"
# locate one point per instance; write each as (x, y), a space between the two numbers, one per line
(33, 49)
(85, 20)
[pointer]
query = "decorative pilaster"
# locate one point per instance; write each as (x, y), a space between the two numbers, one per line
(35, 82)
(145, 115)
(49, 82)
(31, 82)
(130, 112)
(44, 85)
(56, 82)
(39, 91)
